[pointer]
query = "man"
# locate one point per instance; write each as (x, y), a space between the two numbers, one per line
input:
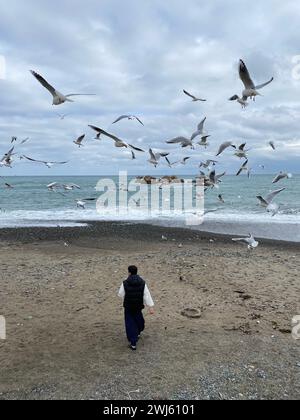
(136, 295)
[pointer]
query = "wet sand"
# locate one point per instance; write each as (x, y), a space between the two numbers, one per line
(65, 333)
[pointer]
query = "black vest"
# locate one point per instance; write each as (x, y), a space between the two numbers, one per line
(134, 293)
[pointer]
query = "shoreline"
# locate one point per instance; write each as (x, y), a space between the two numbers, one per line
(82, 229)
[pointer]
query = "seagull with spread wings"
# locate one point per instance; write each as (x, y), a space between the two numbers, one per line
(268, 201)
(250, 241)
(58, 98)
(118, 142)
(155, 157)
(183, 141)
(200, 130)
(194, 98)
(128, 117)
(79, 141)
(251, 90)
(48, 164)
(7, 158)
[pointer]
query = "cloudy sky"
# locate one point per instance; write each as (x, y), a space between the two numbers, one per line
(137, 56)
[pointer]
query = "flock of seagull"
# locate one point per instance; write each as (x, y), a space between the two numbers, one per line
(198, 138)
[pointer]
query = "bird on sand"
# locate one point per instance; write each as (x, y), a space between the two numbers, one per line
(194, 98)
(250, 241)
(58, 98)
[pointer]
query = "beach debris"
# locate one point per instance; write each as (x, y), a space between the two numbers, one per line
(164, 238)
(191, 313)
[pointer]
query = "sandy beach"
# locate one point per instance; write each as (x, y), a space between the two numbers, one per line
(65, 332)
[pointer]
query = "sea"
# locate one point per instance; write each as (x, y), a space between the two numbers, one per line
(29, 203)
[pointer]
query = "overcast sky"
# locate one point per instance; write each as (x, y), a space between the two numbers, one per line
(137, 56)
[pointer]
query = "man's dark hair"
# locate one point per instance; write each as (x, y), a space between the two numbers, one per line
(133, 270)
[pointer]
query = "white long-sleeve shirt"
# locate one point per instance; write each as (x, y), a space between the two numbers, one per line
(148, 301)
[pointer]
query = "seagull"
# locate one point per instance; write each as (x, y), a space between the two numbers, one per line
(244, 167)
(79, 141)
(250, 241)
(213, 180)
(200, 130)
(203, 141)
(281, 176)
(194, 98)
(180, 162)
(48, 164)
(62, 116)
(221, 199)
(7, 159)
(133, 156)
(242, 101)
(128, 117)
(24, 141)
(240, 151)
(10, 187)
(53, 186)
(223, 147)
(207, 164)
(267, 202)
(82, 203)
(58, 98)
(183, 141)
(118, 142)
(71, 187)
(155, 157)
(272, 144)
(251, 90)
(14, 139)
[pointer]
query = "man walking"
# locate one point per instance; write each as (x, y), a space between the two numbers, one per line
(136, 295)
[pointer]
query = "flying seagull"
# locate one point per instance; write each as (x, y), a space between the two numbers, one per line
(280, 176)
(128, 117)
(250, 241)
(179, 162)
(118, 142)
(251, 90)
(204, 142)
(272, 144)
(7, 158)
(221, 199)
(223, 147)
(79, 141)
(183, 141)
(82, 203)
(48, 164)
(268, 201)
(240, 151)
(208, 164)
(58, 98)
(24, 141)
(200, 130)
(244, 167)
(155, 157)
(194, 98)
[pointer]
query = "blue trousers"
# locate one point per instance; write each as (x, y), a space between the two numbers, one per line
(135, 324)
